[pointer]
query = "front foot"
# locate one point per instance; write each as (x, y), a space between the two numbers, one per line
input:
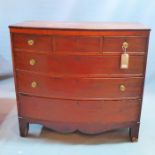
(23, 127)
(134, 132)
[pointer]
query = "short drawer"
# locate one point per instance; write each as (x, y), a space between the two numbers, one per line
(34, 43)
(114, 43)
(77, 43)
(78, 88)
(96, 66)
(56, 110)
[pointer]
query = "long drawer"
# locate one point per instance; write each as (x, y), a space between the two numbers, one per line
(102, 112)
(78, 88)
(105, 65)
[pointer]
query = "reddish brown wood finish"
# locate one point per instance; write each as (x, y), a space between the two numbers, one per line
(74, 44)
(41, 43)
(79, 111)
(136, 43)
(81, 65)
(78, 88)
(78, 76)
(89, 43)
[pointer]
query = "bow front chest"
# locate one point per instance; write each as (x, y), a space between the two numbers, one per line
(86, 77)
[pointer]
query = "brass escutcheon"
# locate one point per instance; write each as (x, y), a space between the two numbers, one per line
(125, 45)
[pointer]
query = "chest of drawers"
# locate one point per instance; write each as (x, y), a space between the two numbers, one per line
(86, 77)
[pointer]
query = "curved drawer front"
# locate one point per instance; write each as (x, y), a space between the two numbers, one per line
(79, 111)
(106, 65)
(78, 88)
(35, 43)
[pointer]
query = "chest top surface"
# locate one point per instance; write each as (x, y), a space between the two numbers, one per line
(81, 25)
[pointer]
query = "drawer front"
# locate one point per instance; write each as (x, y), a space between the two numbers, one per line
(35, 43)
(114, 44)
(78, 88)
(105, 112)
(77, 44)
(79, 65)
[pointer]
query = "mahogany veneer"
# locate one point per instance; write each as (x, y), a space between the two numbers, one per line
(68, 75)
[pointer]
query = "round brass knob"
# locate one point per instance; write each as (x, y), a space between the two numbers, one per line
(34, 84)
(30, 42)
(32, 62)
(122, 88)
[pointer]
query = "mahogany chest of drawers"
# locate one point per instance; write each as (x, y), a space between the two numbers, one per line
(86, 77)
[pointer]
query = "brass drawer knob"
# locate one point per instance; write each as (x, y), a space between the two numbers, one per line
(122, 88)
(34, 84)
(32, 62)
(30, 42)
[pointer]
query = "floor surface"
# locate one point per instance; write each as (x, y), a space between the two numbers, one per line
(42, 141)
